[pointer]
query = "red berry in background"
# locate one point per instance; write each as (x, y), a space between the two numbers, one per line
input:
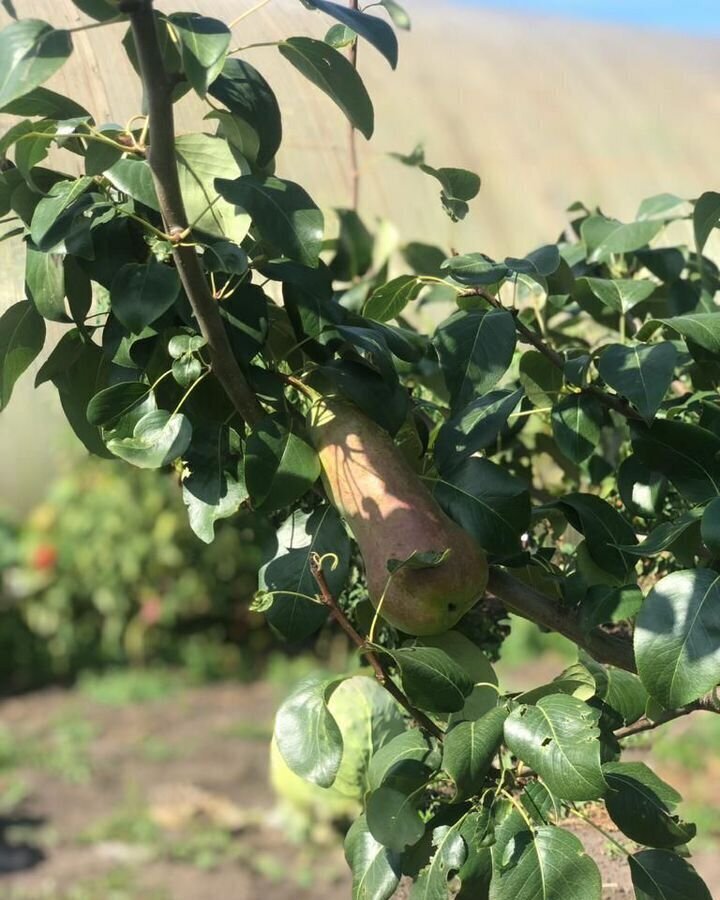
(44, 557)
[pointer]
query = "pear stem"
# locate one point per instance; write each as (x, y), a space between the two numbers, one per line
(423, 721)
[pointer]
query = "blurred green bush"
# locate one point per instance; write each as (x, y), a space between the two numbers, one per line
(107, 571)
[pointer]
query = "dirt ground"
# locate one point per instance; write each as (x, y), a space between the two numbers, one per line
(168, 799)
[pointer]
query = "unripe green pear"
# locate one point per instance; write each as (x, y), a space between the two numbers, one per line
(393, 516)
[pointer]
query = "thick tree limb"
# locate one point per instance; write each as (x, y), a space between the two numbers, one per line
(529, 603)
(161, 158)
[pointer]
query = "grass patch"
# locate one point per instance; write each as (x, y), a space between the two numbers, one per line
(122, 687)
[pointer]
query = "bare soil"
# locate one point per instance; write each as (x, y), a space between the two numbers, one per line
(169, 800)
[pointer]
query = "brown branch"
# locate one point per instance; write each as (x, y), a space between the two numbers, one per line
(709, 703)
(378, 668)
(529, 603)
(158, 89)
(528, 336)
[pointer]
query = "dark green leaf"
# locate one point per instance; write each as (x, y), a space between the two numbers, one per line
(306, 733)
(662, 875)
(246, 315)
(158, 438)
(541, 262)
(375, 31)
(287, 569)
(141, 293)
(642, 805)
(475, 269)
(450, 852)
(605, 531)
(619, 690)
(375, 869)
(393, 817)
(477, 427)
(113, 402)
(30, 52)
(279, 466)
(432, 679)
(606, 604)
(329, 70)
(547, 864)
(22, 335)
(46, 104)
(710, 527)
(389, 300)
(706, 216)
(488, 502)
(102, 10)
(282, 212)
(204, 43)
(249, 97)
(641, 489)
(203, 515)
(677, 637)
(408, 760)
(665, 535)
(559, 739)
(641, 373)
(469, 749)
(475, 350)
(701, 328)
(45, 279)
(467, 654)
(689, 456)
(618, 294)
(54, 215)
(541, 380)
(458, 186)
(576, 423)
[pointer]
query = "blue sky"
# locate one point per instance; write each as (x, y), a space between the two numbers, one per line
(700, 16)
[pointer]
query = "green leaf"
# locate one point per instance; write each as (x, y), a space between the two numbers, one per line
(488, 502)
(665, 535)
(407, 760)
(475, 350)
(467, 654)
(706, 216)
(340, 36)
(396, 12)
(458, 186)
(30, 52)
(45, 280)
(541, 380)
(469, 749)
(642, 805)
(287, 568)
(605, 531)
(605, 237)
(549, 864)
(46, 104)
(641, 489)
(116, 401)
(279, 466)
(710, 527)
(307, 735)
(606, 604)
(101, 10)
(477, 427)
(393, 817)
(158, 438)
(541, 262)
(450, 854)
(432, 680)
(376, 870)
(559, 739)
(389, 300)
(22, 336)
(663, 206)
(282, 213)
(618, 294)
(202, 515)
(641, 373)
(702, 329)
(689, 456)
(677, 637)
(475, 269)
(475, 874)
(576, 423)
(54, 214)
(249, 97)
(662, 875)
(204, 44)
(141, 293)
(335, 75)
(621, 691)
(375, 31)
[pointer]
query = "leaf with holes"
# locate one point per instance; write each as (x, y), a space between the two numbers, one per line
(375, 870)
(559, 739)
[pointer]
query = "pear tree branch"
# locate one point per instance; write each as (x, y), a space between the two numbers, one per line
(709, 703)
(158, 88)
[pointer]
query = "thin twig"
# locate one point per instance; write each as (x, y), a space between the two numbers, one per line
(380, 673)
(163, 165)
(248, 12)
(709, 703)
